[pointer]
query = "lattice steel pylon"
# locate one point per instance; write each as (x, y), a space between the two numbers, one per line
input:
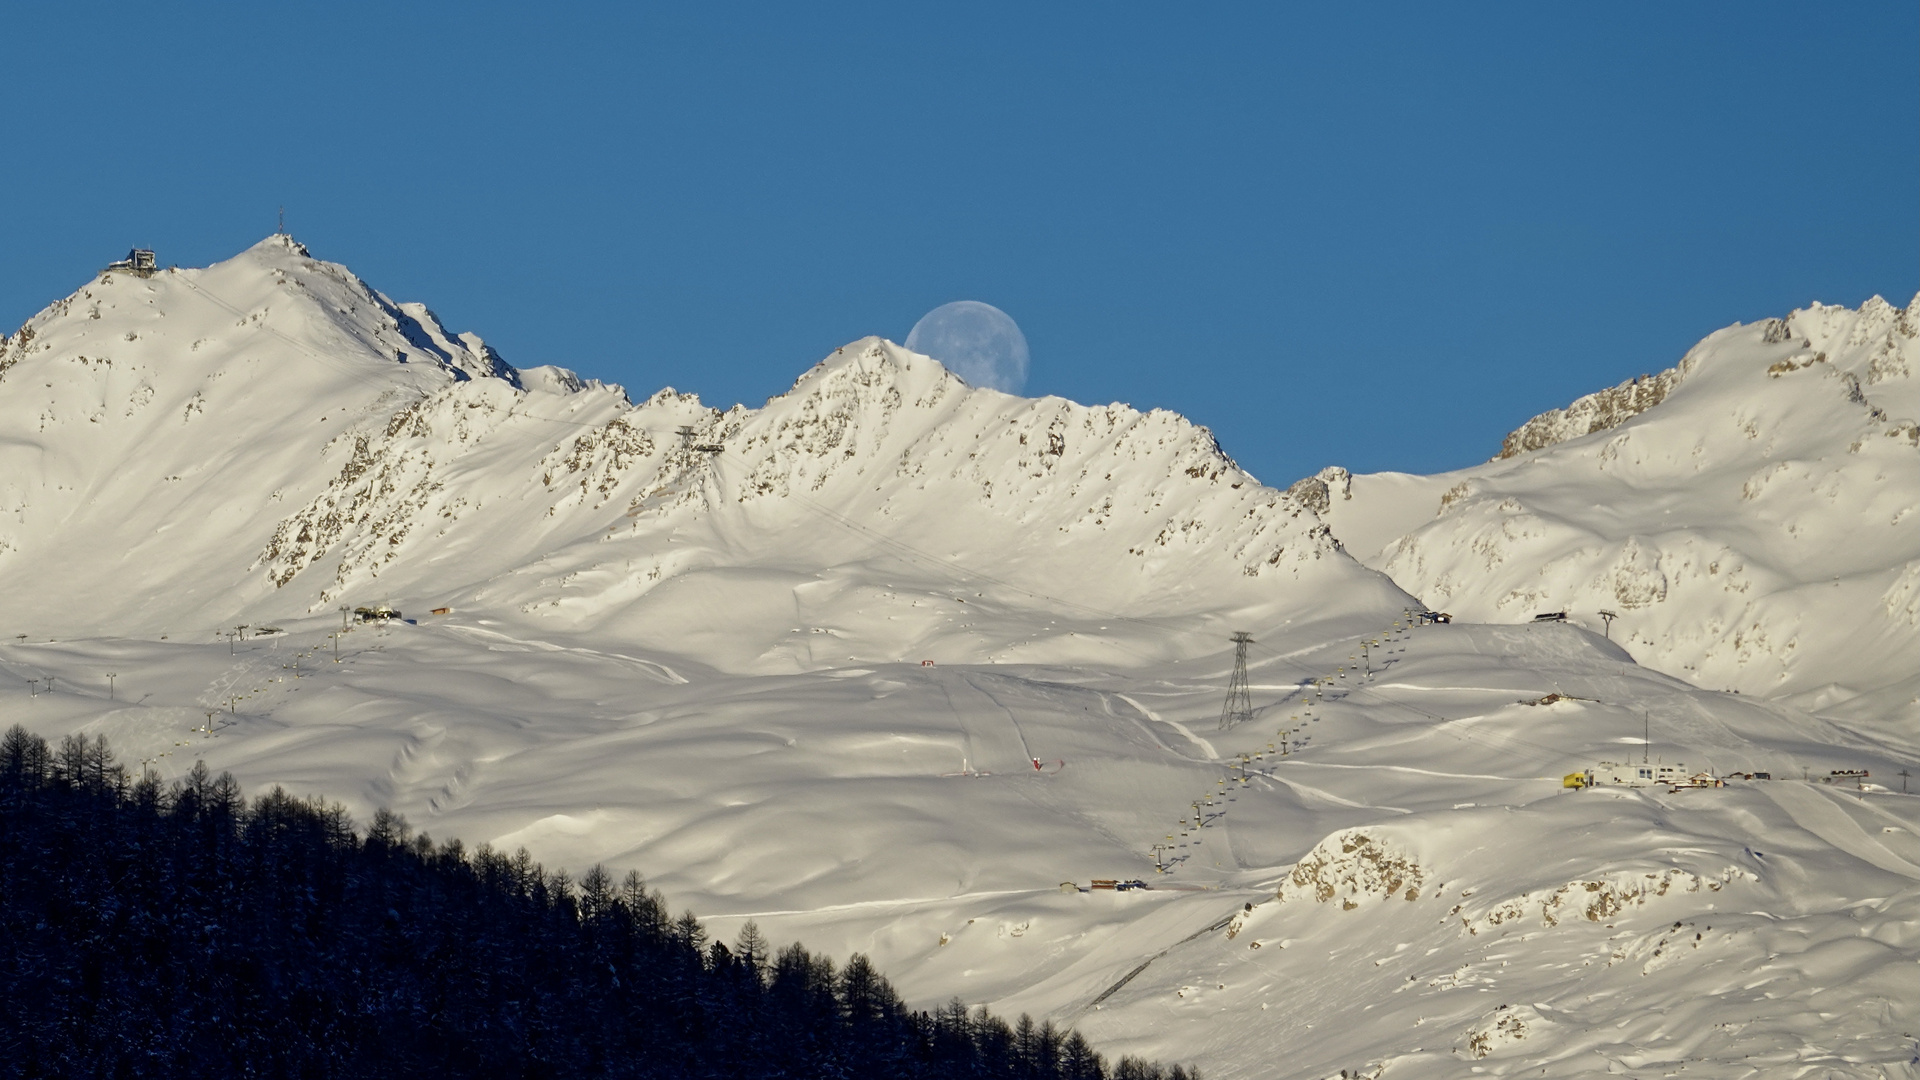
(1239, 706)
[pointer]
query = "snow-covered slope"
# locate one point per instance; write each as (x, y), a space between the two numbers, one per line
(711, 665)
(1752, 514)
(269, 437)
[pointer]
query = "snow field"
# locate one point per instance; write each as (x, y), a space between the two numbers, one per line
(820, 805)
(709, 665)
(1756, 530)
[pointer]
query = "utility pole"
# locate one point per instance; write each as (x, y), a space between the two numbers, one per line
(33, 688)
(1903, 781)
(1609, 616)
(1646, 735)
(343, 617)
(110, 677)
(1238, 708)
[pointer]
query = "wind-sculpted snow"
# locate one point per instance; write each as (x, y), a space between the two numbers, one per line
(358, 451)
(1753, 515)
(882, 663)
(1120, 508)
(1371, 899)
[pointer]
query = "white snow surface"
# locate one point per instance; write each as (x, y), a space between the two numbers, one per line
(1758, 530)
(707, 664)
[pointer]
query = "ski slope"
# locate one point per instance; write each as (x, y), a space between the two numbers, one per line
(1752, 515)
(712, 665)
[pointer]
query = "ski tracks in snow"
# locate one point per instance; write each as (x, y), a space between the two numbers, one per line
(1206, 747)
(988, 745)
(1816, 812)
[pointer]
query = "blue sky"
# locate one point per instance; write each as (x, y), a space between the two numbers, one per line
(1368, 234)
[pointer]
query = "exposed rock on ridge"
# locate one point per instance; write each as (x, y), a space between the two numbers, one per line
(1598, 411)
(1751, 514)
(357, 440)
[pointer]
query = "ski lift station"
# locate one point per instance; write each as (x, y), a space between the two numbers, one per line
(139, 261)
(1629, 774)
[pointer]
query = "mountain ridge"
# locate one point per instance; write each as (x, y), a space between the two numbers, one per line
(1750, 514)
(444, 474)
(909, 668)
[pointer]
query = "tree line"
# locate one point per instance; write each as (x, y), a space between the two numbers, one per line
(161, 930)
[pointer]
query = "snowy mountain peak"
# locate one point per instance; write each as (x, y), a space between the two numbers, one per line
(883, 662)
(1868, 347)
(278, 249)
(1750, 514)
(323, 438)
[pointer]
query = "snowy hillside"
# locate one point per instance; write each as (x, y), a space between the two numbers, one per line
(1752, 514)
(270, 437)
(881, 664)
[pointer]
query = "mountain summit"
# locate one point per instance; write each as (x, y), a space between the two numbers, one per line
(901, 666)
(270, 436)
(1751, 516)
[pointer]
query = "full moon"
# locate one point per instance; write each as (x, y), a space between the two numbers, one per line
(977, 342)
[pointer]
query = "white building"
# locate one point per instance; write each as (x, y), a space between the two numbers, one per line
(139, 260)
(1629, 774)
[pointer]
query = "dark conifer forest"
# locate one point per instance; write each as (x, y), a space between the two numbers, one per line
(151, 930)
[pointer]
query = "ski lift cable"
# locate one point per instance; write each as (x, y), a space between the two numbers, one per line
(1385, 700)
(336, 364)
(905, 549)
(910, 551)
(898, 546)
(296, 343)
(359, 376)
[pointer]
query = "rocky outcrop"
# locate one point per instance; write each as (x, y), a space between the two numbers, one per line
(1317, 492)
(1595, 899)
(1741, 513)
(1352, 867)
(1598, 411)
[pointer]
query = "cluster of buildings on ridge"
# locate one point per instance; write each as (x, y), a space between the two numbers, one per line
(1627, 774)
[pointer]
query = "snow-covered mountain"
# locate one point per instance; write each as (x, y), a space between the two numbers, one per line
(270, 437)
(882, 663)
(1752, 515)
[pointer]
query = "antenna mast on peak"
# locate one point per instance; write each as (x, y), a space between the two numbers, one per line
(282, 229)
